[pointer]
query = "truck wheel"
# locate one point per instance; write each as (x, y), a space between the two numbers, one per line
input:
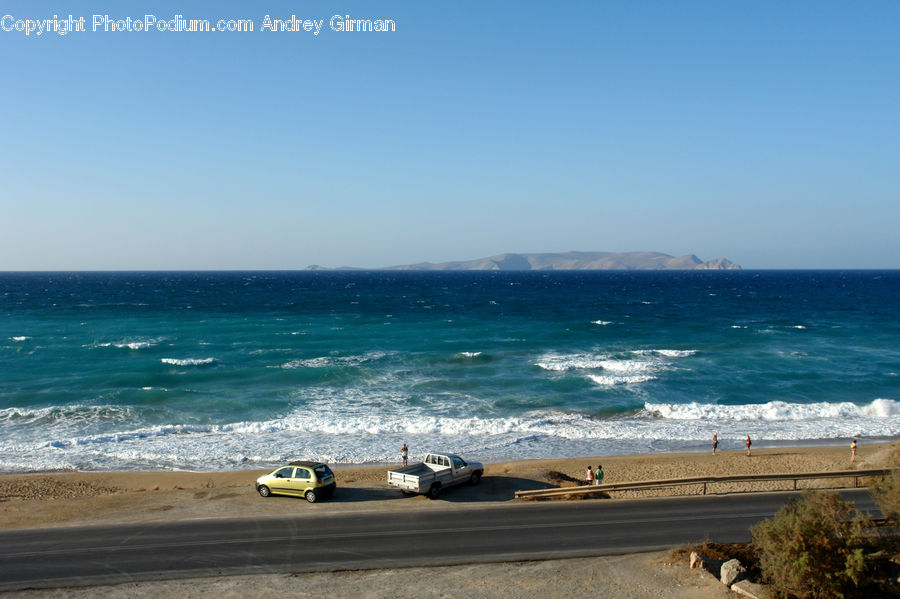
(476, 477)
(434, 492)
(264, 491)
(311, 496)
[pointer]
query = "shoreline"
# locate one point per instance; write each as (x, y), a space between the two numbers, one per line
(72, 498)
(725, 445)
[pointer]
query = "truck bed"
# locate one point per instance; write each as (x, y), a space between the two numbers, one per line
(414, 470)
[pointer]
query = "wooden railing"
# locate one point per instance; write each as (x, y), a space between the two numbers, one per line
(706, 481)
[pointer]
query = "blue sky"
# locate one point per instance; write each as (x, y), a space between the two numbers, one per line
(764, 132)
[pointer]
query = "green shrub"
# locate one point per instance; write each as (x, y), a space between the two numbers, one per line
(812, 548)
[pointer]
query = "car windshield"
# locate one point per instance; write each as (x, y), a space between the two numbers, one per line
(323, 471)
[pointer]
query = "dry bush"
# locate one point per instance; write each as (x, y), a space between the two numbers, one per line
(812, 548)
(887, 492)
(887, 496)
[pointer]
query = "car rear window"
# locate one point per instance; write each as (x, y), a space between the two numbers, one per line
(323, 471)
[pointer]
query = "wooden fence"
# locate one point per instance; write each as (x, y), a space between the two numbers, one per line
(705, 481)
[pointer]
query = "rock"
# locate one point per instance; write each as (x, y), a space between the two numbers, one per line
(751, 590)
(731, 572)
(698, 560)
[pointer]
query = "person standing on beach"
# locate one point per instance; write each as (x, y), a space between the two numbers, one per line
(715, 442)
(589, 476)
(404, 454)
(748, 446)
(598, 475)
(853, 451)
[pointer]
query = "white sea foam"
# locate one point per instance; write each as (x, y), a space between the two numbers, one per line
(562, 363)
(631, 379)
(602, 323)
(630, 367)
(332, 361)
(342, 428)
(137, 344)
(469, 354)
(774, 411)
(69, 417)
(188, 361)
(676, 353)
(20, 338)
(616, 371)
(667, 353)
(134, 344)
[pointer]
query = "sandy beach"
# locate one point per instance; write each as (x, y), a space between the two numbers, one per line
(84, 498)
(80, 498)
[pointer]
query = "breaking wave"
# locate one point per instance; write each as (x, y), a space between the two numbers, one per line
(616, 370)
(188, 361)
(332, 361)
(327, 429)
(631, 379)
(132, 344)
(774, 411)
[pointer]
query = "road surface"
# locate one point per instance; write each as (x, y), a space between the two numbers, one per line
(57, 557)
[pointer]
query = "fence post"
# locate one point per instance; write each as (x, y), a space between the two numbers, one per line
(704, 488)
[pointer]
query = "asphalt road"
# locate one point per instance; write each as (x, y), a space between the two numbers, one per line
(57, 557)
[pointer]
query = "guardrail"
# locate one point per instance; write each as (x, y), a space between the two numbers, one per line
(588, 490)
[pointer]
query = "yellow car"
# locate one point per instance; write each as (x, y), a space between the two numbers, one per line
(312, 480)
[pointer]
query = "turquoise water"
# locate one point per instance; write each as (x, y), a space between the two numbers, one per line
(210, 371)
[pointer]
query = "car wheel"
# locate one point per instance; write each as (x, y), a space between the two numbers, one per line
(311, 496)
(264, 491)
(434, 492)
(476, 478)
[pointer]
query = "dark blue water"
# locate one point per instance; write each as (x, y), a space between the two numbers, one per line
(228, 370)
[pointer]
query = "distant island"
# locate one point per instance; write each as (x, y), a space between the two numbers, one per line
(572, 261)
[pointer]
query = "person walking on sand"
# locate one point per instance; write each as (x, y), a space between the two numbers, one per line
(715, 442)
(853, 451)
(404, 454)
(598, 475)
(748, 446)
(589, 476)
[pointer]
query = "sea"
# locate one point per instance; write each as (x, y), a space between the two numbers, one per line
(211, 371)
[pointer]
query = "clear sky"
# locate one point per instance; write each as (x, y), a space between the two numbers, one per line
(764, 132)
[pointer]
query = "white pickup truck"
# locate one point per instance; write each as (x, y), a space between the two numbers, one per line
(438, 471)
